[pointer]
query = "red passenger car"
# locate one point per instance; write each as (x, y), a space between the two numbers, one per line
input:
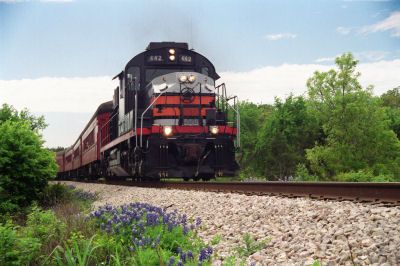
(83, 158)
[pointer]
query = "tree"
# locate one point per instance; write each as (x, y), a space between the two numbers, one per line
(358, 137)
(284, 137)
(25, 166)
(251, 117)
(9, 113)
(56, 149)
(391, 100)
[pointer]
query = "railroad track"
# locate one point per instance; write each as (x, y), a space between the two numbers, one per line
(363, 192)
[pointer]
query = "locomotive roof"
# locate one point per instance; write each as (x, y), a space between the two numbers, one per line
(139, 59)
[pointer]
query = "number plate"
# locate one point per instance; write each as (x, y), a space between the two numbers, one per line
(191, 122)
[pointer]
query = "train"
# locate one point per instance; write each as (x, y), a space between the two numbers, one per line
(167, 119)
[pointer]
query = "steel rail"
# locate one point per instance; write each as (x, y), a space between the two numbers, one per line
(371, 192)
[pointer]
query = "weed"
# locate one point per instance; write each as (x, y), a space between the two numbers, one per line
(250, 246)
(215, 240)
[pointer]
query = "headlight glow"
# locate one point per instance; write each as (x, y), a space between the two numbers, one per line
(172, 57)
(214, 130)
(167, 131)
(183, 78)
(192, 78)
(171, 51)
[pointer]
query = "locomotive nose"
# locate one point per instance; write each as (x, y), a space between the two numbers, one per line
(191, 152)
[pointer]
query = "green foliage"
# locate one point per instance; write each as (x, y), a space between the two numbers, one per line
(44, 225)
(364, 176)
(251, 117)
(16, 249)
(317, 263)
(56, 194)
(25, 166)
(356, 126)
(284, 137)
(302, 174)
(215, 240)
(77, 251)
(234, 261)
(250, 246)
(391, 100)
(56, 149)
(9, 113)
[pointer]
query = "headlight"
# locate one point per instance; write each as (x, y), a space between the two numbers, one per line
(167, 131)
(172, 57)
(192, 78)
(214, 130)
(183, 78)
(171, 51)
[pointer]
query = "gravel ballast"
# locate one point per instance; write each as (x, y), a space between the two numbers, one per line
(301, 230)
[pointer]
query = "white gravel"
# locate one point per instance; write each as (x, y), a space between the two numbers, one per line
(301, 230)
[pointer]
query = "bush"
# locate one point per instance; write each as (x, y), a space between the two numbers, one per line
(56, 194)
(25, 166)
(364, 176)
(16, 249)
(302, 174)
(44, 225)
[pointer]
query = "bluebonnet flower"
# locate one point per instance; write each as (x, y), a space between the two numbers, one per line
(171, 261)
(209, 250)
(190, 255)
(198, 221)
(185, 230)
(180, 263)
(183, 256)
(205, 254)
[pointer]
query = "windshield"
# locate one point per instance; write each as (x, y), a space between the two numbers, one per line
(156, 72)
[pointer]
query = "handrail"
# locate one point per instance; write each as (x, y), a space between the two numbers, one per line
(237, 111)
(148, 107)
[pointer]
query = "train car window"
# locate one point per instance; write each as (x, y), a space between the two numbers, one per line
(135, 72)
(121, 93)
(204, 71)
(76, 153)
(130, 91)
(89, 141)
(121, 88)
(156, 72)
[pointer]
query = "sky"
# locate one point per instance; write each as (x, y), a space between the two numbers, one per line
(57, 57)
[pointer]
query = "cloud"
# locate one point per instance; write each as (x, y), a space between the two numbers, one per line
(371, 55)
(364, 56)
(325, 60)
(391, 23)
(263, 84)
(280, 36)
(344, 30)
(54, 94)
